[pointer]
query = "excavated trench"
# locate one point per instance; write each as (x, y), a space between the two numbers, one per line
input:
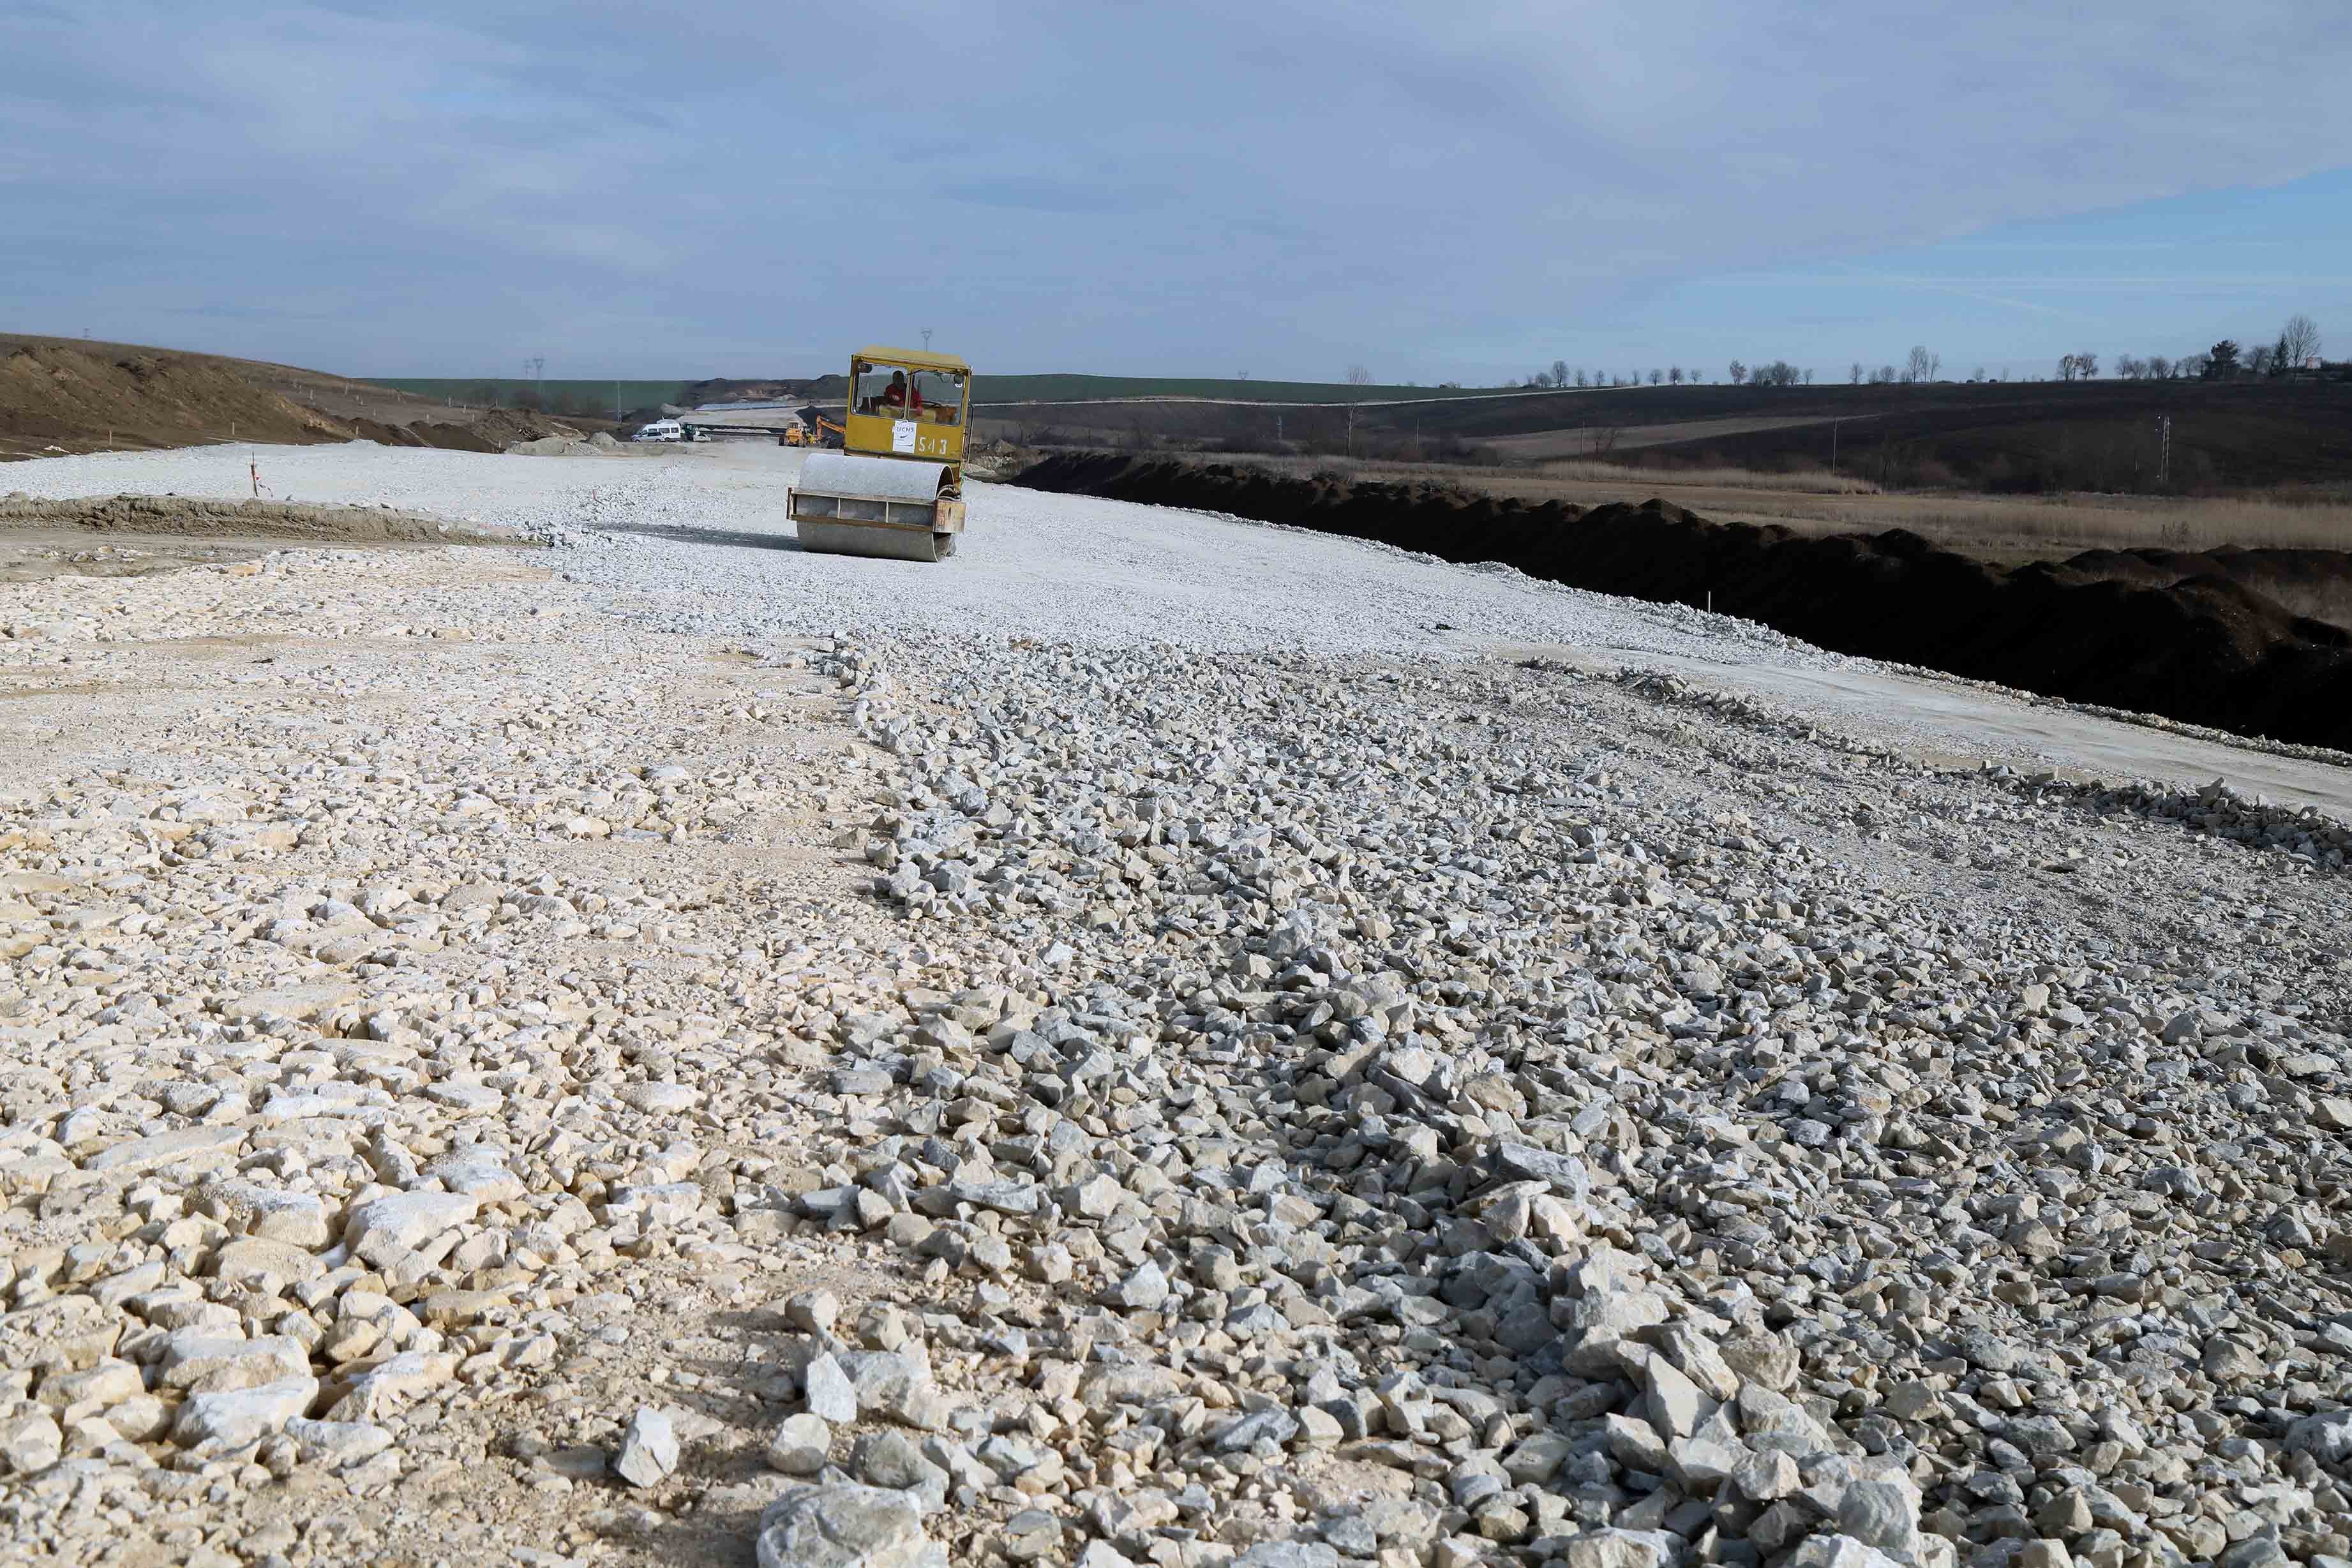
(2195, 637)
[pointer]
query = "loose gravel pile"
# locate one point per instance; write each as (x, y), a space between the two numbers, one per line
(720, 1055)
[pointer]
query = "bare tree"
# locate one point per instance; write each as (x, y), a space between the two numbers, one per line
(2128, 368)
(1854, 373)
(1674, 375)
(2258, 359)
(1559, 373)
(1358, 376)
(2086, 366)
(1739, 373)
(2159, 367)
(1977, 374)
(1581, 380)
(2066, 368)
(1808, 375)
(1920, 365)
(2300, 340)
(1657, 376)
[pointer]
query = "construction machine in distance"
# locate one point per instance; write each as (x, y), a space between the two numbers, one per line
(813, 430)
(896, 489)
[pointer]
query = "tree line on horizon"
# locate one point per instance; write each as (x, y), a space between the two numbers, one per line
(2296, 348)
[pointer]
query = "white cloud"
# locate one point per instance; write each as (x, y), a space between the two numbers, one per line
(1077, 184)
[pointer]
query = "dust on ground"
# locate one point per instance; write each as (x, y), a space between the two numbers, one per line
(140, 536)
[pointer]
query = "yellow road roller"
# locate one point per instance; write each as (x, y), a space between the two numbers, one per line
(895, 487)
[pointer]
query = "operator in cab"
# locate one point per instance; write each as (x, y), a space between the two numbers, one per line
(899, 398)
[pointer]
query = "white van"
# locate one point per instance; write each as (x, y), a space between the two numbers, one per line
(660, 429)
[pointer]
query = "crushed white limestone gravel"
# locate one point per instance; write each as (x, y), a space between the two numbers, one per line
(735, 1056)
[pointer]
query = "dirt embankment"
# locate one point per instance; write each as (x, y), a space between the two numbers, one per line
(494, 431)
(65, 395)
(2194, 637)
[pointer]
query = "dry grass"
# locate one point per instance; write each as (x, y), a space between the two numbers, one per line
(2007, 529)
(1816, 482)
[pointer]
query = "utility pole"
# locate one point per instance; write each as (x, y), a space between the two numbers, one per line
(2164, 451)
(1834, 438)
(926, 340)
(534, 371)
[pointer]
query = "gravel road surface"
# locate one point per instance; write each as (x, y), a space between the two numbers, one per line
(1161, 1040)
(1053, 566)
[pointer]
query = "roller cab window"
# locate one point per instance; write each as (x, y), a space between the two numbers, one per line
(886, 390)
(940, 395)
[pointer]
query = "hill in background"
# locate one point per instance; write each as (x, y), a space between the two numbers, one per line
(2015, 437)
(61, 395)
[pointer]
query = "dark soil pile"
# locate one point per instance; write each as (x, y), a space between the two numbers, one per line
(2187, 636)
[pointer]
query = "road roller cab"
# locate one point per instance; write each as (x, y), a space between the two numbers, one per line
(896, 489)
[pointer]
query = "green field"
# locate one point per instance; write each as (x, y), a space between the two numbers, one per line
(592, 397)
(1051, 388)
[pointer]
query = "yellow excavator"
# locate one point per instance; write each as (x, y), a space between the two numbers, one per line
(896, 489)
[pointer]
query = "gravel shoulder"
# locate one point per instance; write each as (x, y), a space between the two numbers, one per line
(1163, 1041)
(1958, 721)
(1102, 570)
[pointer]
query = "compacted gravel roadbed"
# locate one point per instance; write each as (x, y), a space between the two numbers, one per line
(1158, 1040)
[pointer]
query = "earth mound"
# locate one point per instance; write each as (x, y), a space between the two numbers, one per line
(63, 395)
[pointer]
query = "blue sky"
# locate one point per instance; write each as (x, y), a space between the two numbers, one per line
(2165, 277)
(1460, 191)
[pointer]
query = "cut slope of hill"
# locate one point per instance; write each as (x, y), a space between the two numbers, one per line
(2190, 637)
(68, 396)
(72, 394)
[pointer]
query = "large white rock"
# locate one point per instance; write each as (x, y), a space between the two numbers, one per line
(160, 1149)
(477, 1173)
(391, 1385)
(203, 1362)
(845, 1527)
(295, 1217)
(379, 1230)
(648, 1449)
(232, 1419)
